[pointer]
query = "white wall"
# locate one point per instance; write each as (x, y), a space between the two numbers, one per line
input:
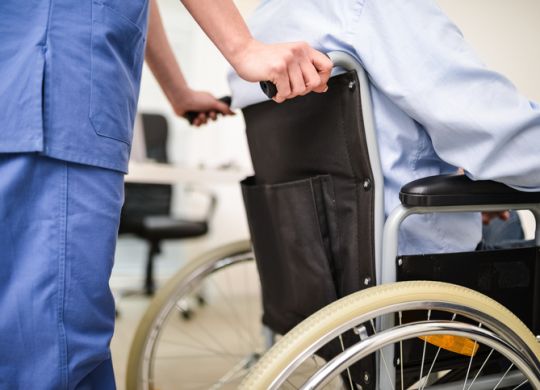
(506, 33)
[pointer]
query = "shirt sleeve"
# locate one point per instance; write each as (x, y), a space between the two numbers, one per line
(475, 117)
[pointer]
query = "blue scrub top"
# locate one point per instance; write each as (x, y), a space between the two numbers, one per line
(69, 78)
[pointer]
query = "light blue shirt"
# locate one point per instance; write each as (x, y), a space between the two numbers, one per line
(69, 78)
(436, 106)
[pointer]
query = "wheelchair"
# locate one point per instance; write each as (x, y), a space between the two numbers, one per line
(423, 325)
(322, 245)
(207, 314)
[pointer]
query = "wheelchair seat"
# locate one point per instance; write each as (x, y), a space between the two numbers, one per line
(459, 190)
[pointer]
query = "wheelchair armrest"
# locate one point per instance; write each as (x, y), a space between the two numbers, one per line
(459, 190)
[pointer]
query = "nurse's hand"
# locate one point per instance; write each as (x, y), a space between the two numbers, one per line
(207, 105)
(295, 68)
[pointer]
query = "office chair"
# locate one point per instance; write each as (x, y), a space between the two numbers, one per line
(147, 207)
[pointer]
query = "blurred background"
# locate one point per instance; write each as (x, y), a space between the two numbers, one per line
(505, 33)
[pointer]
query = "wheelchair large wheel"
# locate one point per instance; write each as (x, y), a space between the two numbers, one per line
(420, 335)
(202, 330)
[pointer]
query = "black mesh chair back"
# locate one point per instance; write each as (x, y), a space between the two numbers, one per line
(156, 136)
(147, 206)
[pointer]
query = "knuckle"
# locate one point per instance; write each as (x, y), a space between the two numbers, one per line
(299, 91)
(279, 67)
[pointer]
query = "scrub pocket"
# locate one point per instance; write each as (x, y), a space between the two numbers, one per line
(117, 57)
(294, 232)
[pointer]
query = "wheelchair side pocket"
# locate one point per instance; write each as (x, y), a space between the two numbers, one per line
(294, 232)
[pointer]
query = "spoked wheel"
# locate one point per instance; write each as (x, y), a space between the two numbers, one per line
(203, 329)
(420, 335)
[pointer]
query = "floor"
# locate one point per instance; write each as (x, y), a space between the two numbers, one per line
(127, 275)
(131, 310)
(218, 343)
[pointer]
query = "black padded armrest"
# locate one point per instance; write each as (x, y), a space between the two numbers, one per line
(459, 190)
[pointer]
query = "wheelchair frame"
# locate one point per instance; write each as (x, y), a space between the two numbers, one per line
(386, 233)
(385, 252)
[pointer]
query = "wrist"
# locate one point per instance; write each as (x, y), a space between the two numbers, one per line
(237, 48)
(178, 93)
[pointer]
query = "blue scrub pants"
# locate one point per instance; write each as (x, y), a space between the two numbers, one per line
(58, 229)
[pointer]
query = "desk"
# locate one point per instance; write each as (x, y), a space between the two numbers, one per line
(150, 172)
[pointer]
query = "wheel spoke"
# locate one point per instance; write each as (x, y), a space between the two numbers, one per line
(218, 334)
(348, 370)
(420, 379)
(240, 326)
(504, 376)
(480, 370)
(391, 380)
(470, 363)
(401, 351)
(521, 384)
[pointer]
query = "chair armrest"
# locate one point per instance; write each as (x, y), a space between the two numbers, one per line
(459, 190)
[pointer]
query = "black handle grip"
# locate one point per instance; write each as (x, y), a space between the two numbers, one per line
(192, 115)
(269, 88)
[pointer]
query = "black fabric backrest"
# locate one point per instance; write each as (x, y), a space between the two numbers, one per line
(156, 133)
(144, 199)
(311, 134)
(322, 134)
(310, 204)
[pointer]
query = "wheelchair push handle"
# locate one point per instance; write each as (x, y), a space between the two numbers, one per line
(339, 58)
(270, 89)
(192, 115)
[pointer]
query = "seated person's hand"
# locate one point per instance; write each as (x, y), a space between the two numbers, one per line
(295, 68)
(487, 217)
(204, 103)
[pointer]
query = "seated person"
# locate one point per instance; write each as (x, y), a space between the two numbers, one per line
(436, 106)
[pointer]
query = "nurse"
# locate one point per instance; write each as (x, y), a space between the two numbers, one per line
(69, 81)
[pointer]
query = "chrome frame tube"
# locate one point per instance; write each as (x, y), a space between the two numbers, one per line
(492, 323)
(391, 246)
(398, 215)
(487, 382)
(388, 337)
(347, 61)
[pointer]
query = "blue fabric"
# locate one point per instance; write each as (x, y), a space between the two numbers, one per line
(499, 234)
(436, 106)
(58, 229)
(70, 74)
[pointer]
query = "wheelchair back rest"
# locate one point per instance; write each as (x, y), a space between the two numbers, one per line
(310, 203)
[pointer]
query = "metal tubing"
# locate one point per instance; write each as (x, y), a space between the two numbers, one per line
(347, 61)
(398, 215)
(375, 343)
(479, 317)
(487, 382)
